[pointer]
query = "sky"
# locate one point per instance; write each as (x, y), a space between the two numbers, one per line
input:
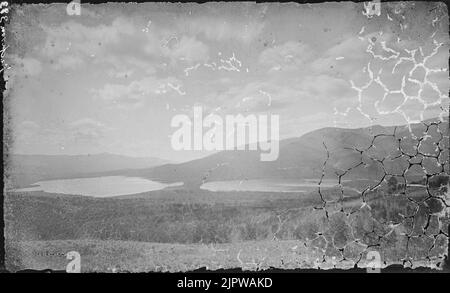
(111, 79)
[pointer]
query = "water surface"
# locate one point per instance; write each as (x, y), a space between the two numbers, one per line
(267, 185)
(105, 186)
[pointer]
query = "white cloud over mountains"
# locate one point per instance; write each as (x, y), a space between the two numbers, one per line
(134, 68)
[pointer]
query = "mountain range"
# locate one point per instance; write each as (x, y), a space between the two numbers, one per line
(23, 170)
(363, 153)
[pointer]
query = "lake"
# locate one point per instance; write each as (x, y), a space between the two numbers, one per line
(267, 185)
(105, 186)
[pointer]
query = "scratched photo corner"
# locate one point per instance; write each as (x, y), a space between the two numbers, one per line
(169, 137)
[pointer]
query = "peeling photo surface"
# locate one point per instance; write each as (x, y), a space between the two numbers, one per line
(168, 137)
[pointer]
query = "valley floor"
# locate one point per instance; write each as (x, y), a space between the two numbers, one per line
(133, 256)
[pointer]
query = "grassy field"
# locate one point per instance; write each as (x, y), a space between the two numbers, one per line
(133, 256)
(178, 229)
(97, 255)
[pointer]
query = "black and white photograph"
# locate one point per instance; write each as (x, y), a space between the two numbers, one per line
(173, 137)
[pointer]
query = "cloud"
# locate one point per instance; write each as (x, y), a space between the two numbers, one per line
(187, 49)
(296, 125)
(327, 87)
(87, 130)
(126, 66)
(29, 125)
(136, 92)
(439, 60)
(26, 66)
(27, 134)
(120, 73)
(71, 44)
(286, 56)
(84, 133)
(122, 44)
(283, 95)
(89, 40)
(351, 47)
(221, 29)
(26, 130)
(68, 62)
(254, 97)
(349, 56)
(24, 135)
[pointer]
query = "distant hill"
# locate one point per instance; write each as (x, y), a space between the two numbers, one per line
(23, 170)
(353, 152)
(303, 157)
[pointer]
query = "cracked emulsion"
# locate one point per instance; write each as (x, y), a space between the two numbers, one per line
(337, 206)
(410, 228)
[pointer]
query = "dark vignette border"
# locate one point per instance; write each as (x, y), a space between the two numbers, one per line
(200, 272)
